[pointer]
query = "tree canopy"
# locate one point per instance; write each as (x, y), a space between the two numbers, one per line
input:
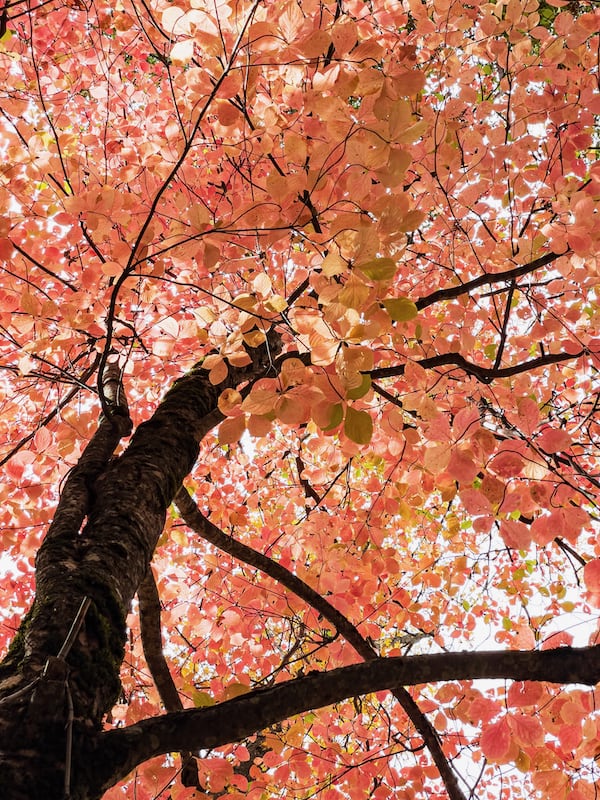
(336, 264)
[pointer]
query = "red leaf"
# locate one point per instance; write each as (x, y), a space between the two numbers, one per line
(554, 440)
(527, 730)
(496, 741)
(515, 534)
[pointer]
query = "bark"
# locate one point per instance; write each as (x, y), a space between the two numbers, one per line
(51, 704)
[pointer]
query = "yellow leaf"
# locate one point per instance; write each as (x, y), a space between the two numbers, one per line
(400, 309)
(523, 762)
(354, 293)
(276, 303)
(379, 269)
(179, 536)
(254, 338)
(333, 264)
(202, 700)
(245, 301)
(358, 426)
(335, 417)
(235, 690)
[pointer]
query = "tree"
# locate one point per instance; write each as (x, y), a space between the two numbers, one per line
(336, 266)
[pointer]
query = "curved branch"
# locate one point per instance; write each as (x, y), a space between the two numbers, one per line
(483, 374)
(74, 499)
(204, 528)
(115, 753)
(77, 493)
(157, 664)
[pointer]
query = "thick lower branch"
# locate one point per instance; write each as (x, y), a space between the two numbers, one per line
(117, 752)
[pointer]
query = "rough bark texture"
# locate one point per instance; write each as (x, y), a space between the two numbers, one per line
(48, 705)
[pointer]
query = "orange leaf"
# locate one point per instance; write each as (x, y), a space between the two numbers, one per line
(515, 534)
(231, 429)
(229, 401)
(461, 466)
(591, 575)
(527, 730)
(553, 440)
(259, 426)
(524, 693)
(262, 398)
(218, 373)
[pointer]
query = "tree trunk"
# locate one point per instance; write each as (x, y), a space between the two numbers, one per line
(55, 686)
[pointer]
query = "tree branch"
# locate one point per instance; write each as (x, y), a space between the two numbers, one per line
(81, 382)
(41, 267)
(76, 493)
(157, 664)
(485, 280)
(115, 753)
(204, 528)
(483, 374)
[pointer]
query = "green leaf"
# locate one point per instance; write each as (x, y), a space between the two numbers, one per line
(358, 426)
(337, 415)
(400, 309)
(360, 390)
(378, 269)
